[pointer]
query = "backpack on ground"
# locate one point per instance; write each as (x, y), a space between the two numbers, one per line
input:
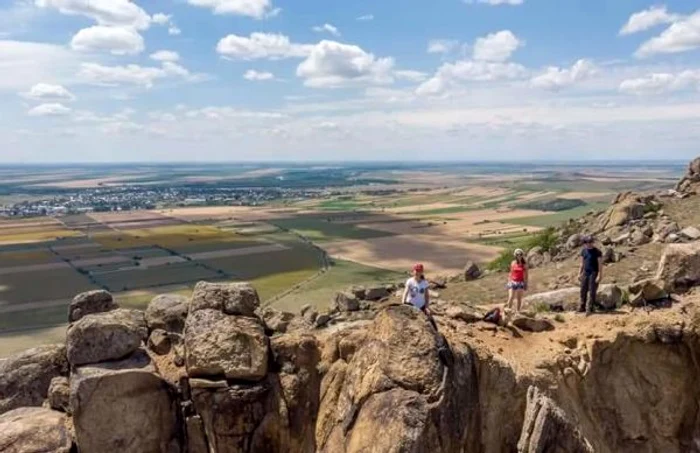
(494, 316)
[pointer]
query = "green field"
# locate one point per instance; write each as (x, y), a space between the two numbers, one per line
(42, 285)
(558, 218)
(319, 292)
(317, 228)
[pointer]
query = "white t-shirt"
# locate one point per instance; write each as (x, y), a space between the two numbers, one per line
(416, 292)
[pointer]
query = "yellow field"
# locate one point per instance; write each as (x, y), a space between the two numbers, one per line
(18, 237)
(25, 258)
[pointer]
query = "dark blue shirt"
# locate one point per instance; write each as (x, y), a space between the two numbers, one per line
(590, 260)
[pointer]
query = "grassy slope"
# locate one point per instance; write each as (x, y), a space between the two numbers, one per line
(557, 218)
(319, 229)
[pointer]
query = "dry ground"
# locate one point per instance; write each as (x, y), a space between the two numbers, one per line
(399, 253)
(224, 212)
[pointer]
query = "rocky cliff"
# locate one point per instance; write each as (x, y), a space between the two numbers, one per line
(216, 373)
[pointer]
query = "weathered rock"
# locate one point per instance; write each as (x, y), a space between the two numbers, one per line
(691, 178)
(34, 430)
(439, 282)
(679, 267)
(25, 377)
(573, 241)
(471, 271)
(535, 257)
(277, 321)
(546, 428)
(59, 394)
(91, 302)
(609, 255)
(322, 320)
(644, 291)
(691, 233)
(167, 312)
(221, 345)
(639, 238)
(461, 313)
(310, 316)
(623, 238)
(358, 291)
(345, 301)
(105, 336)
(625, 208)
(229, 298)
(667, 227)
(377, 293)
(122, 406)
(568, 299)
(532, 324)
(196, 439)
(159, 342)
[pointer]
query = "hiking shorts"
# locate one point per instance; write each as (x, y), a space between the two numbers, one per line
(516, 285)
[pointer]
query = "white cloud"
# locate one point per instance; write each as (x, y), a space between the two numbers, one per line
(174, 31)
(161, 19)
(649, 18)
(327, 28)
(165, 55)
(658, 83)
(121, 13)
(252, 74)
(442, 45)
(366, 18)
(26, 63)
(257, 9)
(120, 75)
(555, 78)
(49, 110)
(496, 46)
(496, 2)
(332, 64)
(116, 40)
(450, 74)
(411, 76)
(261, 45)
(220, 113)
(48, 92)
(683, 35)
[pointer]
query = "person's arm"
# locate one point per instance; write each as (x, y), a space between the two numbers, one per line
(525, 275)
(600, 268)
(580, 266)
(427, 299)
(405, 293)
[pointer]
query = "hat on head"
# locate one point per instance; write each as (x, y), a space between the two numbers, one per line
(587, 239)
(518, 252)
(418, 267)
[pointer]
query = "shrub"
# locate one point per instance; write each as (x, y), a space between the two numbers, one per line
(546, 239)
(502, 263)
(559, 317)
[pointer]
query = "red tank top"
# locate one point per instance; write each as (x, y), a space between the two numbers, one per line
(517, 272)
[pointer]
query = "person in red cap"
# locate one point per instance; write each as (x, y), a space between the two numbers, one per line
(416, 292)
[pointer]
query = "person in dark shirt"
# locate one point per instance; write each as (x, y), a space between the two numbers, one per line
(590, 274)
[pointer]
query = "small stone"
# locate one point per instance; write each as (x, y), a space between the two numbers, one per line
(90, 302)
(159, 342)
(59, 394)
(322, 320)
(346, 301)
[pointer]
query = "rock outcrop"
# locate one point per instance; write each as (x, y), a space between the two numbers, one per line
(91, 302)
(25, 377)
(568, 299)
(34, 430)
(691, 179)
(679, 268)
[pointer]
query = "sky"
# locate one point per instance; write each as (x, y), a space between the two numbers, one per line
(291, 80)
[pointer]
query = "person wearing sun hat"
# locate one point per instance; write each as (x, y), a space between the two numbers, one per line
(517, 280)
(417, 291)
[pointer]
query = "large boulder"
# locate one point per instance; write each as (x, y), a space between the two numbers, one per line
(25, 377)
(277, 321)
(569, 299)
(646, 291)
(679, 267)
(105, 336)
(471, 271)
(229, 298)
(532, 324)
(91, 302)
(34, 430)
(345, 301)
(625, 208)
(546, 428)
(167, 312)
(535, 257)
(691, 233)
(376, 293)
(691, 178)
(123, 406)
(217, 344)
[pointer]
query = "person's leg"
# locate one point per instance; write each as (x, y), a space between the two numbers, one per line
(511, 295)
(593, 291)
(584, 293)
(519, 296)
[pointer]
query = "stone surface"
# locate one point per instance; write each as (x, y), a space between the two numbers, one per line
(123, 406)
(229, 298)
(644, 291)
(546, 429)
(358, 291)
(679, 267)
(532, 324)
(105, 336)
(573, 241)
(34, 430)
(25, 377)
(568, 299)
(626, 207)
(98, 301)
(691, 233)
(535, 257)
(277, 321)
(59, 394)
(471, 271)
(221, 345)
(376, 293)
(167, 312)
(159, 342)
(345, 301)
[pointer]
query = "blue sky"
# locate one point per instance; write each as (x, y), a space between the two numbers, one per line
(212, 80)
